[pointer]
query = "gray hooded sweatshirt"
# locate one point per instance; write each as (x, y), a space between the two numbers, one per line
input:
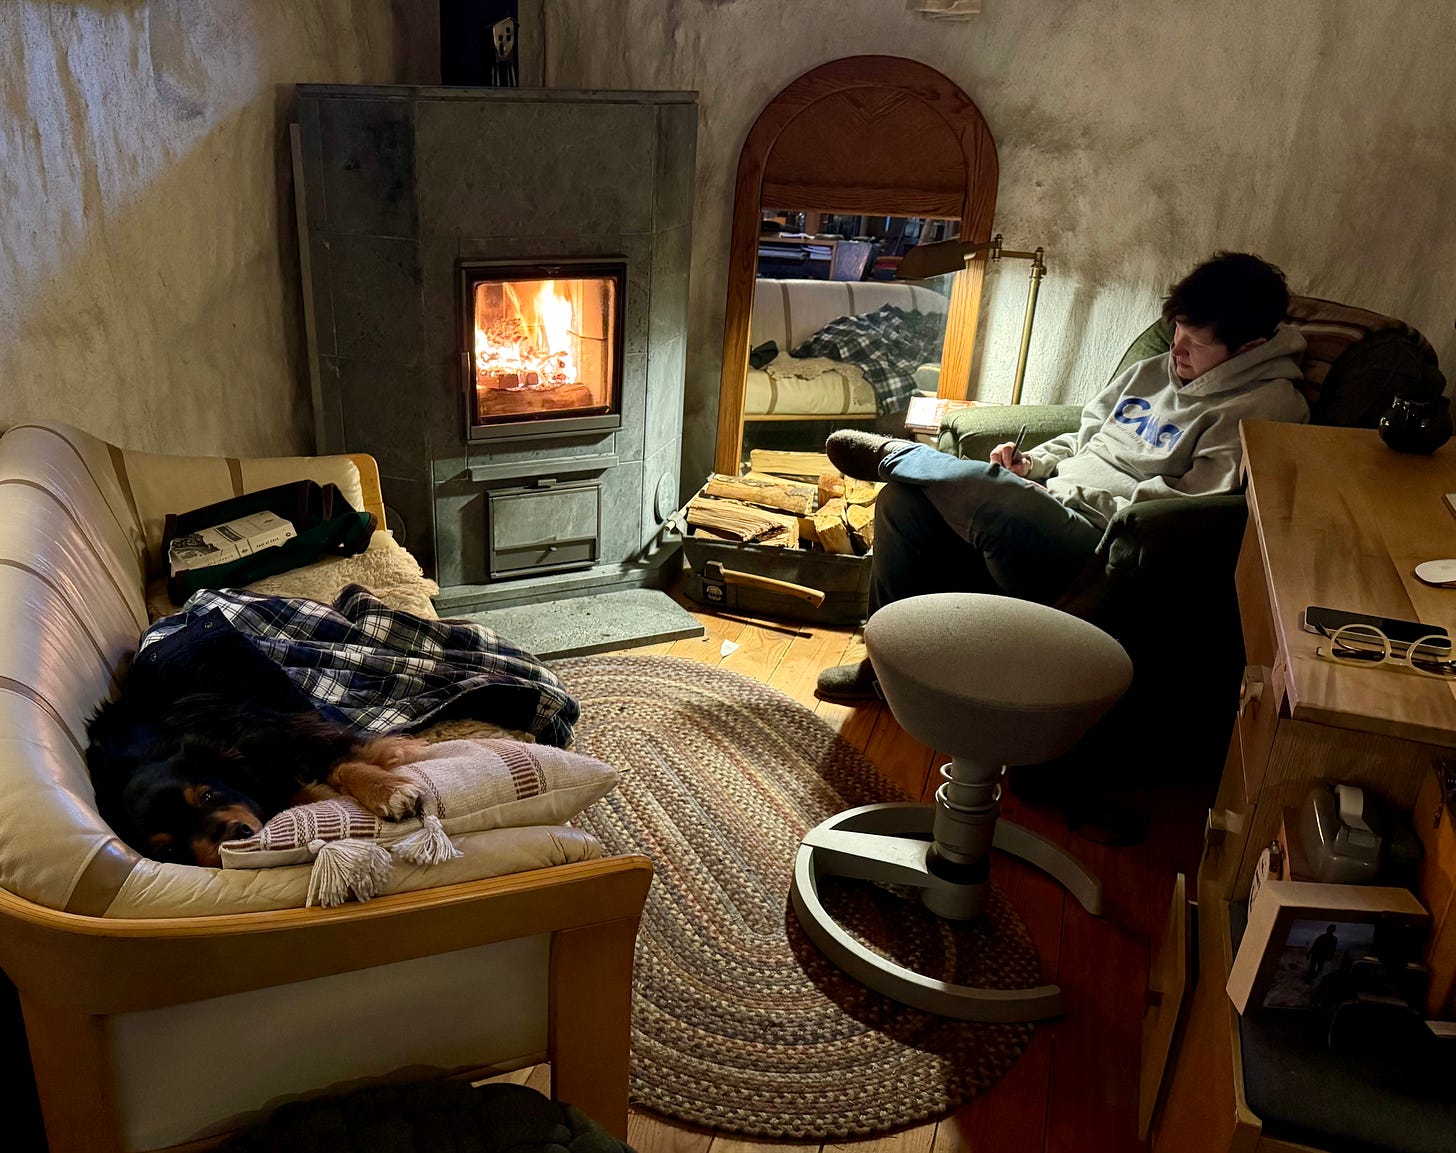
(1149, 435)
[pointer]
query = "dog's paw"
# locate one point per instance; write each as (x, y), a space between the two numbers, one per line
(392, 796)
(398, 798)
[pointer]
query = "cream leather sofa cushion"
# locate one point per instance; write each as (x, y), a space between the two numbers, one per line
(155, 889)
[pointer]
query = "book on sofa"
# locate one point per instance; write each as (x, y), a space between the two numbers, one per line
(230, 541)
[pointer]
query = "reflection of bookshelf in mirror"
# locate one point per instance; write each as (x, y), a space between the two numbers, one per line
(813, 257)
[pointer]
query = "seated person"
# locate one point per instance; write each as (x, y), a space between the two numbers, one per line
(1025, 524)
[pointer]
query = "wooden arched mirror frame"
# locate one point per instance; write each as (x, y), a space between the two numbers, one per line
(873, 135)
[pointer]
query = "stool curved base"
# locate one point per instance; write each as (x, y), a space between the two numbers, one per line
(889, 843)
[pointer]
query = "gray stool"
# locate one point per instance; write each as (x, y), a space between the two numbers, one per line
(992, 681)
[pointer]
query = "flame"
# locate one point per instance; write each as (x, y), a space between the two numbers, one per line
(536, 338)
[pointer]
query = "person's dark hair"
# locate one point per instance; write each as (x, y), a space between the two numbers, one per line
(1242, 297)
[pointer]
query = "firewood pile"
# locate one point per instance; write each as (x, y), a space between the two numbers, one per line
(788, 500)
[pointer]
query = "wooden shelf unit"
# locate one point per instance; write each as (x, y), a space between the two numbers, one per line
(1339, 520)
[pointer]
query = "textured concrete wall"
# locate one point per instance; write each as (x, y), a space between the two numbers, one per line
(1134, 136)
(149, 287)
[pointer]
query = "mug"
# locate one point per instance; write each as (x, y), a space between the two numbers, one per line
(1416, 424)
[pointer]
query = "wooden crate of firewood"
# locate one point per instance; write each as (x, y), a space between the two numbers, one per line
(792, 537)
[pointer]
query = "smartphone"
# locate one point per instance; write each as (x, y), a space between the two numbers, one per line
(1401, 632)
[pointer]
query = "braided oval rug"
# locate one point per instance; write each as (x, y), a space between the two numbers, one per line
(738, 1022)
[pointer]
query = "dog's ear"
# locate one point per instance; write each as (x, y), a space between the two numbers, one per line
(112, 751)
(197, 748)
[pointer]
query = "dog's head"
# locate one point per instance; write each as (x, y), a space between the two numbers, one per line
(181, 809)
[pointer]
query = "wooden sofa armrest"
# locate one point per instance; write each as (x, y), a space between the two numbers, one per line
(73, 971)
(369, 484)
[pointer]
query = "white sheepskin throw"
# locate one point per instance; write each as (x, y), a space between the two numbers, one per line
(467, 786)
(385, 568)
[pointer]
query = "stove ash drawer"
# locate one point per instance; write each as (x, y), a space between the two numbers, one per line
(541, 530)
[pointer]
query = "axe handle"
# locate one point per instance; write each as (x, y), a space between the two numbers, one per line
(815, 597)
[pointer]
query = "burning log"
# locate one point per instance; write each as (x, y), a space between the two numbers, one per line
(497, 402)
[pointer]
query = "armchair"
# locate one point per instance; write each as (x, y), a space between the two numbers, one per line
(1162, 580)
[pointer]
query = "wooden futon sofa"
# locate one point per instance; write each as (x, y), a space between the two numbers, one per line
(164, 1003)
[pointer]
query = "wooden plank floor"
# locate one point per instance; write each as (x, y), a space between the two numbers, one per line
(1075, 1088)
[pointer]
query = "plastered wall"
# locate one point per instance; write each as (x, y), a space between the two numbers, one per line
(1135, 137)
(149, 287)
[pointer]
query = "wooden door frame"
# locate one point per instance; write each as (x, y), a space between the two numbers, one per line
(974, 206)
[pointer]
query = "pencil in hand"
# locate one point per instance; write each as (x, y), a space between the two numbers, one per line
(1016, 448)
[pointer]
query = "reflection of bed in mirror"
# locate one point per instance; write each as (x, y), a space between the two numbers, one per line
(789, 312)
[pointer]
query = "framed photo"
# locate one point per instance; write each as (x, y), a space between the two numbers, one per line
(1299, 932)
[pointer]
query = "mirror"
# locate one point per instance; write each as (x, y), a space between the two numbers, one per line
(849, 167)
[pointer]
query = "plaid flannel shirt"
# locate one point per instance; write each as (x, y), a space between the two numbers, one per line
(887, 345)
(380, 670)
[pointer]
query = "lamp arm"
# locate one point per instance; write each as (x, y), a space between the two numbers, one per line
(941, 258)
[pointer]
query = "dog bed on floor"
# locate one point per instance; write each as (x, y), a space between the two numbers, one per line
(431, 1117)
(464, 786)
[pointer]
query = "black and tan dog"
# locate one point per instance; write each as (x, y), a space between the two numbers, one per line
(176, 779)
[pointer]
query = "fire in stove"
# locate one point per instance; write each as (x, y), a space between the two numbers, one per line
(512, 352)
(543, 347)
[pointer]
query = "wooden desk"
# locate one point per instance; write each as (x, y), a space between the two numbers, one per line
(1335, 519)
(1340, 520)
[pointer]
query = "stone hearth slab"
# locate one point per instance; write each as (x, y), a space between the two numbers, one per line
(583, 625)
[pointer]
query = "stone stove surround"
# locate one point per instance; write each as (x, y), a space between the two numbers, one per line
(400, 185)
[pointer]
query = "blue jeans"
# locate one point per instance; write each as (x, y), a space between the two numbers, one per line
(948, 525)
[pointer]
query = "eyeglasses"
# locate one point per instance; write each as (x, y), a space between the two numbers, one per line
(1361, 644)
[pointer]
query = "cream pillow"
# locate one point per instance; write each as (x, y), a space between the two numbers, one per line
(466, 786)
(385, 568)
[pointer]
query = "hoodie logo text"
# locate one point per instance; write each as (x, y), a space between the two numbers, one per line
(1137, 414)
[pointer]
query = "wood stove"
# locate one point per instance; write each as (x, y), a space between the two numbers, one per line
(541, 347)
(496, 311)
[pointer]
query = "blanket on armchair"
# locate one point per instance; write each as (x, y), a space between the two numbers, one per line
(360, 662)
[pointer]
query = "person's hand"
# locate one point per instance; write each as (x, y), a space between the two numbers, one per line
(1008, 458)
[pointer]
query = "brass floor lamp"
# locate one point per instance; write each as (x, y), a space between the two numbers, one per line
(927, 260)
